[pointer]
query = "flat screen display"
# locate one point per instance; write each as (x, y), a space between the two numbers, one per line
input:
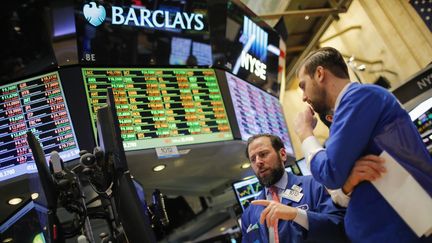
(248, 190)
(422, 118)
(161, 107)
(37, 104)
(257, 111)
(244, 45)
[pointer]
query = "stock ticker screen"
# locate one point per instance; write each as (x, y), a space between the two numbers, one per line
(161, 107)
(257, 111)
(37, 104)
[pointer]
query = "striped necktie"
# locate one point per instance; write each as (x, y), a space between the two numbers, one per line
(274, 192)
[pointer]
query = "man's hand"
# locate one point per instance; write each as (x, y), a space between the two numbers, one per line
(305, 123)
(367, 168)
(275, 211)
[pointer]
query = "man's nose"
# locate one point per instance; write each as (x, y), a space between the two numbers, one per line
(304, 97)
(259, 162)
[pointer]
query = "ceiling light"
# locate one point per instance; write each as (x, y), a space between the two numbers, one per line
(307, 17)
(158, 168)
(222, 229)
(245, 165)
(34, 195)
(15, 201)
(361, 67)
(7, 240)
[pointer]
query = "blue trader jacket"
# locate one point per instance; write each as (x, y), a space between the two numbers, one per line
(325, 219)
(369, 120)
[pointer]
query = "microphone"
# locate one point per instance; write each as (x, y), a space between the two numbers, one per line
(159, 204)
(56, 163)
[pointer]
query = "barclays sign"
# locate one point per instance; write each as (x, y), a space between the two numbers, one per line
(143, 17)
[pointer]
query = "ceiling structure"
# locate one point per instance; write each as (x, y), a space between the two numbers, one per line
(305, 23)
(207, 170)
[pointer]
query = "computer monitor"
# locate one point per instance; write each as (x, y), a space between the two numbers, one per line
(37, 104)
(128, 208)
(257, 111)
(159, 107)
(248, 190)
(421, 115)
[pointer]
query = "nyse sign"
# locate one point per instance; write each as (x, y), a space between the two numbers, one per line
(420, 83)
(253, 65)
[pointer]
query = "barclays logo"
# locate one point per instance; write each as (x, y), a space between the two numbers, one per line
(94, 15)
(143, 17)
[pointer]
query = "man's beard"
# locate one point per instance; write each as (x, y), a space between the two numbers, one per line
(274, 176)
(319, 104)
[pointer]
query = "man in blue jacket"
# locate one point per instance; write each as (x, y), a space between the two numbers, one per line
(367, 120)
(308, 213)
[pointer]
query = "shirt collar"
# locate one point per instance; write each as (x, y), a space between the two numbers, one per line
(341, 94)
(281, 184)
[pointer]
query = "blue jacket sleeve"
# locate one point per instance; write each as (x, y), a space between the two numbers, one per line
(355, 120)
(325, 219)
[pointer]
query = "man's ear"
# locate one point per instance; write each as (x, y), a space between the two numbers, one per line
(283, 154)
(319, 74)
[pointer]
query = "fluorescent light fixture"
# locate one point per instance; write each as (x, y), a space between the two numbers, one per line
(245, 165)
(34, 195)
(15, 201)
(158, 168)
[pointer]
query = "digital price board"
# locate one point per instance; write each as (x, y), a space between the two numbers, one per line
(161, 107)
(37, 104)
(257, 111)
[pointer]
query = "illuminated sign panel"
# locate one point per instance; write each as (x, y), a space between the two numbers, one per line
(143, 17)
(161, 107)
(254, 53)
(37, 104)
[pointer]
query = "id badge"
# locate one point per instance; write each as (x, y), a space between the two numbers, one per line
(292, 195)
(296, 188)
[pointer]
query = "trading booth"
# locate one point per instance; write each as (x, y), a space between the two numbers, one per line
(187, 82)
